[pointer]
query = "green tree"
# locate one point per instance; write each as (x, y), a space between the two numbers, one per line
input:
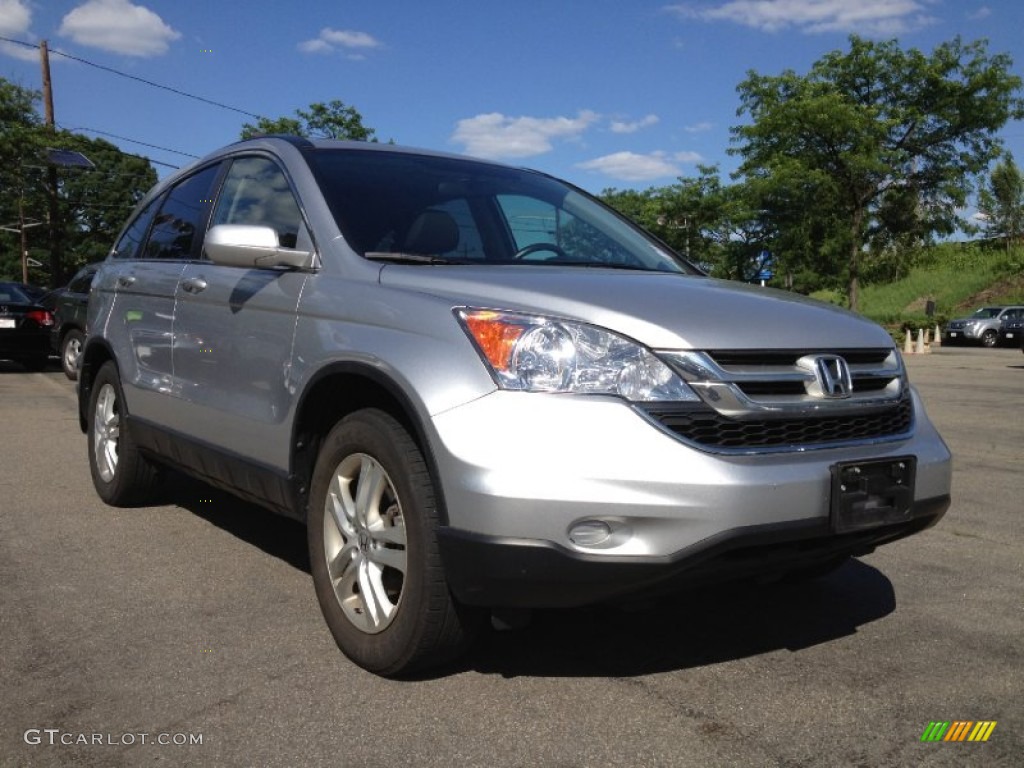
(96, 202)
(1001, 201)
(21, 148)
(92, 204)
(334, 120)
(864, 122)
(692, 215)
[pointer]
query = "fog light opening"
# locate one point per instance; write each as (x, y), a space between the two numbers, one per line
(590, 533)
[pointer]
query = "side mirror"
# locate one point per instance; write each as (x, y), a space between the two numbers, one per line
(243, 245)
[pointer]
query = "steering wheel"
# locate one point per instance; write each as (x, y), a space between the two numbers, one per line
(534, 247)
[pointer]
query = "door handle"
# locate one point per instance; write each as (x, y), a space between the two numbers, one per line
(193, 285)
(125, 281)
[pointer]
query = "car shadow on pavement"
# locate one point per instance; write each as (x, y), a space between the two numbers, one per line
(630, 638)
(692, 629)
(279, 536)
(9, 366)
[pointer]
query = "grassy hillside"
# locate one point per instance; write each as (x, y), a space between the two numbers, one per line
(958, 277)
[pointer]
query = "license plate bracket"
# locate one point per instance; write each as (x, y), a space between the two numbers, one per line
(871, 493)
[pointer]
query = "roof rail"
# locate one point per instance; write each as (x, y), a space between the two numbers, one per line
(299, 141)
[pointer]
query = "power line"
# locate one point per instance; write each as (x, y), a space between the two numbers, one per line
(137, 79)
(133, 141)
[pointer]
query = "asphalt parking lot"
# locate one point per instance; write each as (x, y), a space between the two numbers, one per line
(195, 621)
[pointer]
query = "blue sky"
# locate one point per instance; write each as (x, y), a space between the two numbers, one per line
(604, 93)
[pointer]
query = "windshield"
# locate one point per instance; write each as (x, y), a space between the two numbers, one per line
(987, 312)
(438, 210)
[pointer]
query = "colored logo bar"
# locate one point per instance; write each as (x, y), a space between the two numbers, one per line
(958, 730)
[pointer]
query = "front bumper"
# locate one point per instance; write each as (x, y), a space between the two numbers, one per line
(954, 335)
(484, 570)
(519, 471)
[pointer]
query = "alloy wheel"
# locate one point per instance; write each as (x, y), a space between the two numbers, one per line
(365, 543)
(106, 432)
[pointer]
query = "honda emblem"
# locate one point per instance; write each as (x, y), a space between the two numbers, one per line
(831, 376)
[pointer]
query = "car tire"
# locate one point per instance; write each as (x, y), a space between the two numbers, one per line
(70, 349)
(373, 550)
(989, 338)
(123, 477)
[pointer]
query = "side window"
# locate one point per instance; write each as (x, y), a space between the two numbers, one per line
(128, 246)
(80, 283)
(182, 215)
(256, 192)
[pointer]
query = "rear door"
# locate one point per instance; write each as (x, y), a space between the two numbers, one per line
(142, 280)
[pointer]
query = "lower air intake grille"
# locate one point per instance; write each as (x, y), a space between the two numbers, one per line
(705, 427)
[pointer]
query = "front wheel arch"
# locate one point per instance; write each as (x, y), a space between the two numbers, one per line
(338, 390)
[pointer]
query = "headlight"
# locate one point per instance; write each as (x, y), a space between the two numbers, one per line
(541, 354)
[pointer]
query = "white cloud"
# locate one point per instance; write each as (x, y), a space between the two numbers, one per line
(690, 158)
(119, 27)
(870, 17)
(15, 21)
(348, 40)
(629, 166)
(982, 13)
(15, 17)
(699, 127)
(315, 46)
(619, 126)
(495, 135)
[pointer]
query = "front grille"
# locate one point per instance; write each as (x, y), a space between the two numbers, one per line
(750, 358)
(765, 400)
(705, 427)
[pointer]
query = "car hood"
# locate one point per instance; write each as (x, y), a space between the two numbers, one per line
(661, 310)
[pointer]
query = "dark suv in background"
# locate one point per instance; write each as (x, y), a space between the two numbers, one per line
(69, 305)
(1011, 333)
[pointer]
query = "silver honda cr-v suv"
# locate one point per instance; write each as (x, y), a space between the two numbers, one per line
(483, 390)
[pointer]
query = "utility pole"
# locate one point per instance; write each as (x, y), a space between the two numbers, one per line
(24, 239)
(44, 60)
(56, 244)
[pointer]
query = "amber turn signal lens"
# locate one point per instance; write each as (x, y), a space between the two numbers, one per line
(495, 336)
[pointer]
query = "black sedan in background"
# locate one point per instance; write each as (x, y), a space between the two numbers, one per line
(24, 328)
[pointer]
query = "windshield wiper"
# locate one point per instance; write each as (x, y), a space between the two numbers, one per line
(407, 258)
(600, 265)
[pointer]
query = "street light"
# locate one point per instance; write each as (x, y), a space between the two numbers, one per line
(64, 158)
(22, 226)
